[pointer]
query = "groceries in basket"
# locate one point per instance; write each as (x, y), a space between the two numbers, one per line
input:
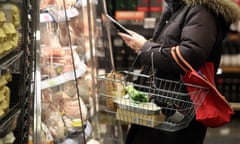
(135, 95)
(140, 108)
(176, 107)
(136, 108)
(164, 104)
(114, 88)
(170, 111)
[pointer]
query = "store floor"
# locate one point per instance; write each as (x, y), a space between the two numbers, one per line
(227, 134)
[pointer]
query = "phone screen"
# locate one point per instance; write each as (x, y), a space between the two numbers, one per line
(117, 25)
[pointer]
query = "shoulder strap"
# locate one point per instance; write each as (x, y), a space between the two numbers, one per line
(179, 59)
(182, 59)
(173, 53)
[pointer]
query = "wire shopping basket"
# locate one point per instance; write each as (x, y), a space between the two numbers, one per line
(149, 100)
(159, 103)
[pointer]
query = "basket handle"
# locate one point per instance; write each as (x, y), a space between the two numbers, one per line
(153, 71)
(137, 58)
(131, 68)
(152, 68)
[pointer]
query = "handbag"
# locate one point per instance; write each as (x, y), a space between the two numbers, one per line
(214, 111)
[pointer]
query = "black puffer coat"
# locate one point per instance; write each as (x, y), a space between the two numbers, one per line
(198, 27)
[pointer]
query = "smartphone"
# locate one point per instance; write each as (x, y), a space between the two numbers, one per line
(117, 25)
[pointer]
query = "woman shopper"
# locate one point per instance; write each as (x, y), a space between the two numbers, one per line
(198, 27)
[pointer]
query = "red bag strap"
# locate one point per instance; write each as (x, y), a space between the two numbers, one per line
(173, 53)
(182, 59)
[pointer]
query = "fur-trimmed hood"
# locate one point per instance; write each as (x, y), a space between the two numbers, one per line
(228, 9)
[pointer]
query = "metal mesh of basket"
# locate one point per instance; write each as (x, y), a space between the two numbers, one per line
(159, 103)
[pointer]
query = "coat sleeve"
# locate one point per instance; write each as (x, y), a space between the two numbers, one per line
(196, 42)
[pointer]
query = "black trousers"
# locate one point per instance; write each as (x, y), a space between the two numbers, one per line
(193, 134)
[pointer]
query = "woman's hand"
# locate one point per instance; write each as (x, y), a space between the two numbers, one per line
(135, 41)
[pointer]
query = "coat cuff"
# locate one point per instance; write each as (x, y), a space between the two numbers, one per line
(148, 45)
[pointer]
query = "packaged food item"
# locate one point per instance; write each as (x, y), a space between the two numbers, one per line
(114, 88)
(169, 110)
(2, 39)
(70, 106)
(13, 13)
(11, 35)
(9, 138)
(2, 17)
(2, 33)
(4, 93)
(9, 32)
(53, 120)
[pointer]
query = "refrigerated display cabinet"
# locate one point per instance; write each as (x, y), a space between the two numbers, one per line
(15, 70)
(72, 49)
